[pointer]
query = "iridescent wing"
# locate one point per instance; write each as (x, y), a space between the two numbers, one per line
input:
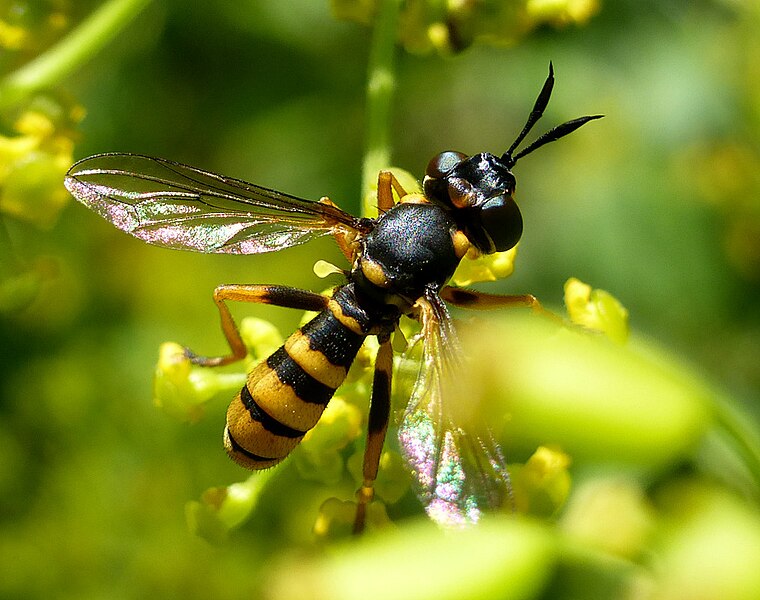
(458, 468)
(176, 206)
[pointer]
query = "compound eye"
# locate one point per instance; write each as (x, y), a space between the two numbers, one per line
(502, 222)
(461, 192)
(443, 163)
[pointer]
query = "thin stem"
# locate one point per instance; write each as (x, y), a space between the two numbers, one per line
(8, 262)
(743, 436)
(381, 85)
(78, 46)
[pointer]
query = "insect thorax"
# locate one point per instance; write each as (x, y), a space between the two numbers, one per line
(409, 250)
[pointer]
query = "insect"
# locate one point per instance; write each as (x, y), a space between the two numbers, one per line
(400, 264)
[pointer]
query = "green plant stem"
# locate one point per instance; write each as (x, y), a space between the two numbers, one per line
(79, 45)
(742, 435)
(8, 262)
(381, 85)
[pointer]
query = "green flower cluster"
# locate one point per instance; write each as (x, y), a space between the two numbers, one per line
(34, 159)
(448, 26)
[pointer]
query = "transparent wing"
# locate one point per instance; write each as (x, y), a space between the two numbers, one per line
(458, 468)
(176, 206)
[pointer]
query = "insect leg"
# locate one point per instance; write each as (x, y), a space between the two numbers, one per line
(344, 237)
(464, 298)
(386, 182)
(266, 294)
(480, 301)
(380, 407)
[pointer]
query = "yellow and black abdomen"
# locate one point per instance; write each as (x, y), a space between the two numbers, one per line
(286, 394)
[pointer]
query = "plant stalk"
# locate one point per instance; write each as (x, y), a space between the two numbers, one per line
(75, 48)
(381, 86)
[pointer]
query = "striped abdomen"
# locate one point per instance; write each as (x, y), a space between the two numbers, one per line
(285, 394)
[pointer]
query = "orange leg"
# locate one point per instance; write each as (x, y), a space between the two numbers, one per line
(386, 182)
(377, 425)
(265, 294)
(464, 298)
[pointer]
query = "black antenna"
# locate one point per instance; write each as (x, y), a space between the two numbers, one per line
(550, 136)
(535, 114)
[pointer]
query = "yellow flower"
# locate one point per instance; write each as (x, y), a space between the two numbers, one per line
(484, 267)
(33, 162)
(596, 309)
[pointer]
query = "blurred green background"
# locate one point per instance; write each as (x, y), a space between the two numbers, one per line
(658, 203)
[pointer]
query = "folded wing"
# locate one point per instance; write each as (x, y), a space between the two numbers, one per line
(176, 206)
(457, 466)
